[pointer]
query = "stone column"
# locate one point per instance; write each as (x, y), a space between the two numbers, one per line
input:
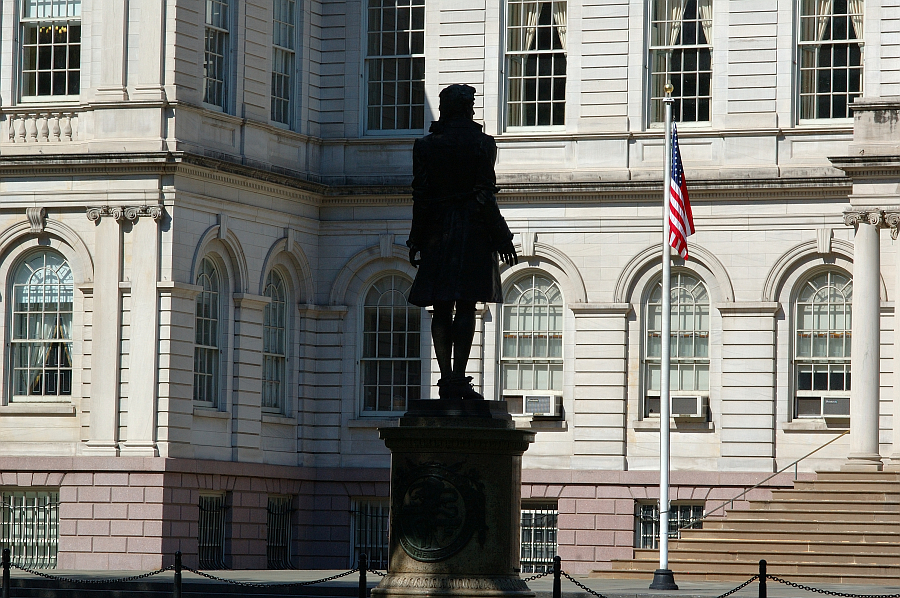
(140, 438)
(106, 326)
(865, 350)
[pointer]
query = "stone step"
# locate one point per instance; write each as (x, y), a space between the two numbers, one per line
(760, 533)
(847, 486)
(691, 572)
(783, 545)
(779, 569)
(833, 515)
(858, 476)
(770, 554)
(837, 496)
(813, 505)
(849, 525)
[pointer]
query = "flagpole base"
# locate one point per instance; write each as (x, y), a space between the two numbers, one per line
(663, 579)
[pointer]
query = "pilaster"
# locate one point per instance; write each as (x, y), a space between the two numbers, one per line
(142, 417)
(246, 414)
(110, 19)
(599, 418)
(748, 385)
(148, 78)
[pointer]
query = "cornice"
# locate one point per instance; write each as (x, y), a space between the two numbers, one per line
(872, 166)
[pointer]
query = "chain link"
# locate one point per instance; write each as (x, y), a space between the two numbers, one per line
(250, 584)
(829, 592)
(740, 587)
(538, 576)
(581, 585)
(378, 573)
(92, 581)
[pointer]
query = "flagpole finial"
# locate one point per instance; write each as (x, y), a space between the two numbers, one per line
(669, 89)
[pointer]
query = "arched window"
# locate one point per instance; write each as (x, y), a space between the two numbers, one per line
(41, 337)
(391, 356)
(274, 344)
(688, 346)
(206, 339)
(822, 345)
(531, 364)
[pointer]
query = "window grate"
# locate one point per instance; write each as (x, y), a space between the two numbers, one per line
(30, 528)
(211, 537)
(646, 522)
(539, 525)
(278, 532)
(371, 535)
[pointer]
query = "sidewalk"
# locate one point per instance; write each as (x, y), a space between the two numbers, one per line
(611, 588)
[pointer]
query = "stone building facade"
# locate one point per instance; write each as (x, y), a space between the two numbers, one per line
(202, 247)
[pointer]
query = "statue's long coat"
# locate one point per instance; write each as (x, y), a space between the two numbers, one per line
(456, 224)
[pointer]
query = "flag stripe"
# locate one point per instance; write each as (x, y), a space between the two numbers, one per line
(681, 219)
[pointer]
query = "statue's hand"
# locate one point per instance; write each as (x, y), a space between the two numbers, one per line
(413, 250)
(508, 254)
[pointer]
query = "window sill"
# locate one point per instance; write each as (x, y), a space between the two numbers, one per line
(374, 422)
(277, 418)
(210, 412)
(675, 425)
(39, 409)
(540, 424)
(817, 424)
(535, 130)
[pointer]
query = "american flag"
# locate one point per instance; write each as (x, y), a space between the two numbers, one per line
(681, 220)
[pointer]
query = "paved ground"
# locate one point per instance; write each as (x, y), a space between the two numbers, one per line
(619, 588)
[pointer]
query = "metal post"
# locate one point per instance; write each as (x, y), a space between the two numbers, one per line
(6, 573)
(176, 589)
(363, 566)
(762, 579)
(557, 571)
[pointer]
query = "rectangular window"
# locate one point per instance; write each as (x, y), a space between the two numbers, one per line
(215, 54)
(395, 65)
(30, 528)
(681, 54)
(51, 47)
(283, 60)
(830, 47)
(278, 532)
(211, 536)
(646, 522)
(539, 533)
(371, 521)
(535, 63)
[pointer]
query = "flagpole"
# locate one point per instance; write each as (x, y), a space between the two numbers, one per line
(663, 579)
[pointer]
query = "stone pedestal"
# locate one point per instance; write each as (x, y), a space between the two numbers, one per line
(456, 473)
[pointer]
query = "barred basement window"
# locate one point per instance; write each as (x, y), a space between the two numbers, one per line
(211, 537)
(539, 537)
(395, 65)
(51, 47)
(681, 53)
(831, 57)
(215, 55)
(536, 62)
(646, 522)
(30, 528)
(371, 521)
(282, 60)
(278, 532)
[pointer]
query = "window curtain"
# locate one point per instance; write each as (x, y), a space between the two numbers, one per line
(823, 10)
(560, 19)
(704, 11)
(532, 9)
(855, 8)
(674, 16)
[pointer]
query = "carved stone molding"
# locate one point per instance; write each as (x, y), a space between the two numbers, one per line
(130, 213)
(873, 216)
(36, 218)
(892, 220)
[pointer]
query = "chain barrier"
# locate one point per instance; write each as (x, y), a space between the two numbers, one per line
(740, 587)
(581, 585)
(96, 582)
(378, 573)
(251, 584)
(538, 576)
(829, 592)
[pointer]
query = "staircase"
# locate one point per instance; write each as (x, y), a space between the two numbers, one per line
(839, 528)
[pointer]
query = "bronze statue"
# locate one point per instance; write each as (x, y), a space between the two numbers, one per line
(458, 231)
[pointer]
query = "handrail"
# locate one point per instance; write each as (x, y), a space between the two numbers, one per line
(782, 470)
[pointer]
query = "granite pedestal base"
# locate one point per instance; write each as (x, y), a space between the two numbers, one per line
(456, 472)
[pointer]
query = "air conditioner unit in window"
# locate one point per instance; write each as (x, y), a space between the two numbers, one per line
(693, 407)
(836, 407)
(543, 405)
